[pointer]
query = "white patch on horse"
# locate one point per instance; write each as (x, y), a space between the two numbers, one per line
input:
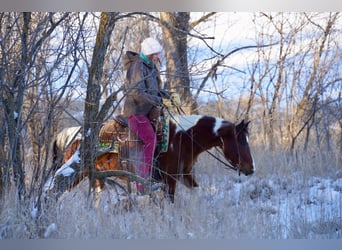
(253, 163)
(66, 170)
(218, 125)
(67, 136)
(185, 122)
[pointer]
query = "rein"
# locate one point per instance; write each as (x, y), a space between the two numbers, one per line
(227, 165)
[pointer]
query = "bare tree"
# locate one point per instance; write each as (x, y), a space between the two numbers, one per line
(290, 78)
(307, 108)
(20, 44)
(51, 85)
(176, 27)
(175, 44)
(93, 116)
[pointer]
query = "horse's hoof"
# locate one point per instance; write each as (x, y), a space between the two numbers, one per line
(157, 186)
(170, 197)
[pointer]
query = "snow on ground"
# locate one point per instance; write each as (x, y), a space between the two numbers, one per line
(274, 203)
(224, 206)
(289, 203)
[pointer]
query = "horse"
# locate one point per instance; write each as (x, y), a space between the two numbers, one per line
(188, 137)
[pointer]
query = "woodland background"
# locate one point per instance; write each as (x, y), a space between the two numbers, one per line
(63, 69)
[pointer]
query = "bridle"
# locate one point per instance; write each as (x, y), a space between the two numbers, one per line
(227, 165)
(238, 168)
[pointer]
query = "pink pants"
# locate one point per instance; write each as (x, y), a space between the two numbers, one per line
(142, 127)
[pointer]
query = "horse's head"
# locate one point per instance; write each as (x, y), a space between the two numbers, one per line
(235, 147)
(246, 159)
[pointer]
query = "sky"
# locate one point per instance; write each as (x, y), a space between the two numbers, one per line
(236, 29)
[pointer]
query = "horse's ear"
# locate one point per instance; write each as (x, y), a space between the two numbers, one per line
(243, 124)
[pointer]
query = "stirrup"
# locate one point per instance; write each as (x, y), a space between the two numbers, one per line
(156, 175)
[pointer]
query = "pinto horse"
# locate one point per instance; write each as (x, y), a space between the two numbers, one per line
(189, 136)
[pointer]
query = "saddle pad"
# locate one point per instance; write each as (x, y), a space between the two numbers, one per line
(163, 144)
(106, 146)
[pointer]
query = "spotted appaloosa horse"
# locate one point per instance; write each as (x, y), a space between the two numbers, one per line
(189, 136)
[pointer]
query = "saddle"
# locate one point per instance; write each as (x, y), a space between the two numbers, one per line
(115, 133)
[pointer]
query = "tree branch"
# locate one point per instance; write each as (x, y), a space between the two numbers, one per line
(201, 19)
(219, 62)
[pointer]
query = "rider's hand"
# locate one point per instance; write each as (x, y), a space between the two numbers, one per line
(167, 103)
(175, 99)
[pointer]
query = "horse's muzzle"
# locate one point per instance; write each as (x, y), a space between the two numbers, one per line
(246, 170)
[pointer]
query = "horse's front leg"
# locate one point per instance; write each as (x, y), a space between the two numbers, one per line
(188, 178)
(189, 181)
(170, 188)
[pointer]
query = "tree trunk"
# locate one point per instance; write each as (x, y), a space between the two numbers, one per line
(175, 33)
(13, 101)
(91, 125)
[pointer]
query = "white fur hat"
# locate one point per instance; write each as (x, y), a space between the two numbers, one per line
(150, 46)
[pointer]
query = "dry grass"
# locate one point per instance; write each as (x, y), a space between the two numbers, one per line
(276, 202)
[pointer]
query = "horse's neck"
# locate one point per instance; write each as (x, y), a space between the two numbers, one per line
(200, 141)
